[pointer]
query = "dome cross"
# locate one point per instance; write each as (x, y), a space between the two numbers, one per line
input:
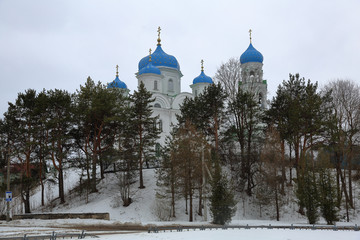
(250, 34)
(117, 70)
(202, 65)
(150, 55)
(159, 40)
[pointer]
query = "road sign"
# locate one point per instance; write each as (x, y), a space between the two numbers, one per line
(8, 196)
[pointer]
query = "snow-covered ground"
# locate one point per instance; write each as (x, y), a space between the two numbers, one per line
(249, 234)
(146, 211)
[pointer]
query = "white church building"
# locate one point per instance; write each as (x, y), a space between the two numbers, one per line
(161, 75)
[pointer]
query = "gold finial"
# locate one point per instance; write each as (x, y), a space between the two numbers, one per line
(250, 34)
(150, 55)
(202, 65)
(159, 40)
(117, 70)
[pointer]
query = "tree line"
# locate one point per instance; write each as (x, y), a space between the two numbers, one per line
(91, 129)
(225, 143)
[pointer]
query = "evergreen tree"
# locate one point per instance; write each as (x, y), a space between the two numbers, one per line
(22, 121)
(188, 156)
(59, 125)
(210, 112)
(167, 178)
(307, 193)
(222, 203)
(98, 110)
(246, 127)
(144, 127)
(327, 189)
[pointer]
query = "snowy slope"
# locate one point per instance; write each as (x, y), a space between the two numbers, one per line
(144, 209)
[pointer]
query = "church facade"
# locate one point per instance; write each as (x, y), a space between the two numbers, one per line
(161, 75)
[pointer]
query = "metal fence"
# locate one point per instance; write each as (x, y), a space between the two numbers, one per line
(156, 229)
(53, 236)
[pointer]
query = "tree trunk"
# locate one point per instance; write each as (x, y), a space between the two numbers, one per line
(93, 179)
(101, 168)
(141, 161)
(200, 202)
(351, 201)
(283, 175)
(41, 183)
(277, 204)
(191, 205)
(26, 197)
(61, 185)
(291, 165)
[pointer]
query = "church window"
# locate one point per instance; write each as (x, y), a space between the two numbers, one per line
(157, 105)
(155, 85)
(157, 149)
(160, 125)
(252, 76)
(260, 99)
(171, 85)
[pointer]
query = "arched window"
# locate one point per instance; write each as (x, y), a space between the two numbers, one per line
(171, 85)
(155, 85)
(157, 105)
(252, 76)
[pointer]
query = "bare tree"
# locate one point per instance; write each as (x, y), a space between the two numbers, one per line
(270, 170)
(346, 101)
(228, 74)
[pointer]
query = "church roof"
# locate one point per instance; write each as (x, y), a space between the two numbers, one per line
(117, 83)
(202, 78)
(251, 55)
(160, 58)
(149, 68)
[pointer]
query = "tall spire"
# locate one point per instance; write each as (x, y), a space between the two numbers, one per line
(159, 40)
(117, 70)
(150, 55)
(202, 65)
(250, 34)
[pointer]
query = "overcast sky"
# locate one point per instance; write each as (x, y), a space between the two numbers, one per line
(58, 44)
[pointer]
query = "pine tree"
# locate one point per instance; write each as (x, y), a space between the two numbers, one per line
(144, 127)
(327, 190)
(222, 203)
(307, 193)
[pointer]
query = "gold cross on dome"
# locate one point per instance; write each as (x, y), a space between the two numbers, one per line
(159, 40)
(150, 55)
(250, 34)
(117, 70)
(202, 65)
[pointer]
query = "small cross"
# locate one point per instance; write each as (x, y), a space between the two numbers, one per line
(150, 55)
(250, 34)
(159, 29)
(117, 70)
(159, 40)
(202, 65)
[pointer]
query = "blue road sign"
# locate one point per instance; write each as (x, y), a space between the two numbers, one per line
(8, 196)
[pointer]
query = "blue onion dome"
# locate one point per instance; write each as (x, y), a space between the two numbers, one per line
(117, 83)
(251, 55)
(202, 78)
(150, 68)
(160, 58)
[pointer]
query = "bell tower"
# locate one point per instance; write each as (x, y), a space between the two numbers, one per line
(252, 74)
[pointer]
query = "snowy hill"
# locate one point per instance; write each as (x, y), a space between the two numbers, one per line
(146, 210)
